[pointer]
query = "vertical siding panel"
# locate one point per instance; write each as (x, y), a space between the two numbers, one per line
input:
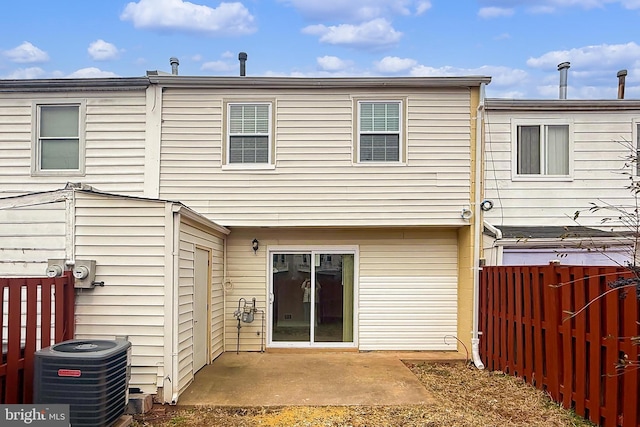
(115, 142)
(415, 267)
(186, 295)
(126, 238)
(30, 236)
(599, 155)
(314, 181)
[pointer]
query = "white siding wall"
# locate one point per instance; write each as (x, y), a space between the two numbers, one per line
(126, 237)
(598, 161)
(29, 236)
(413, 271)
(190, 237)
(315, 181)
(115, 142)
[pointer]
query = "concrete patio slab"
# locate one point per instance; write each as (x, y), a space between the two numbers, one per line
(311, 379)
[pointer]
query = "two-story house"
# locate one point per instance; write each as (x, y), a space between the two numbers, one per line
(546, 160)
(339, 212)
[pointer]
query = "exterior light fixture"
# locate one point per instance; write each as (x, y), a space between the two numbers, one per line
(255, 245)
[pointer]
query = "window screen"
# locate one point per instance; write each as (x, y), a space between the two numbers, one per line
(379, 131)
(249, 131)
(58, 137)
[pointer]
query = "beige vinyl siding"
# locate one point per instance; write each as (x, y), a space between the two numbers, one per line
(598, 158)
(191, 237)
(186, 294)
(126, 237)
(408, 292)
(30, 236)
(115, 142)
(414, 270)
(314, 180)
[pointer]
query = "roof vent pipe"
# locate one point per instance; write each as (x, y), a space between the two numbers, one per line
(174, 65)
(621, 75)
(242, 57)
(563, 68)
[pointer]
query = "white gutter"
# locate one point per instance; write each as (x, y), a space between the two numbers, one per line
(475, 339)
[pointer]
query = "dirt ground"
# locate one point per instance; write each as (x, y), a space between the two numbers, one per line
(464, 395)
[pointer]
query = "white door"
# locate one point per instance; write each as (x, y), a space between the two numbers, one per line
(200, 309)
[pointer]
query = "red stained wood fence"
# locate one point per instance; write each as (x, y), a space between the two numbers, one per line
(529, 332)
(35, 313)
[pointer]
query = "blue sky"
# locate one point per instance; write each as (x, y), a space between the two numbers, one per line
(519, 43)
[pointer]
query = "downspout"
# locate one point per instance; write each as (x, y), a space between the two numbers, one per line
(224, 294)
(475, 339)
(70, 238)
(176, 305)
(170, 363)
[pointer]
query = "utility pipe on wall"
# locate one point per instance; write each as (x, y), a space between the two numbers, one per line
(176, 307)
(475, 339)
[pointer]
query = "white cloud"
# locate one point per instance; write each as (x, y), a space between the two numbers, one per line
(376, 34)
(26, 73)
(393, 64)
(218, 66)
(598, 56)
(228, 54)
(178, 15)
(332, 63)
(91, 72)
(422, 7)
(494, 12)
(551, 6)
(101, 50)
(500, 76)
(356, 10)
(26, 53)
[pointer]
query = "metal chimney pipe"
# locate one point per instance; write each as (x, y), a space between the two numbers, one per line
(242, 57)
(563, 67)
(621, 77)
(174, 65)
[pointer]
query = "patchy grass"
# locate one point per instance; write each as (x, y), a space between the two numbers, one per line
(464, 396)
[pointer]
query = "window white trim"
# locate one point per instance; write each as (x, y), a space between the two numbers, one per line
(36, 148)
(542, 122)
(399, 132)
(270, 141)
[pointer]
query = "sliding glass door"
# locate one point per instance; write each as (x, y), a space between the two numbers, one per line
(312, 297)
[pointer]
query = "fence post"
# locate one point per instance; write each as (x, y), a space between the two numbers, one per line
(13, 340)
(553, 320)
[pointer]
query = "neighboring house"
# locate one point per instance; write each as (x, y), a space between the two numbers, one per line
(547, 159)
(366, 186)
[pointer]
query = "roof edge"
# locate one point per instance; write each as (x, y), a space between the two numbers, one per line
(84, 85)
(497, 104)
(239, 82)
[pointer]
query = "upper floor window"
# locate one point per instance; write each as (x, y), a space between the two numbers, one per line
(249, 133)
(379, 130)
(543, 150)
(58, 142)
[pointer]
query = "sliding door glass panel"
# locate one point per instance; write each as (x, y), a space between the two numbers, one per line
(291, 310)
(334, 298)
